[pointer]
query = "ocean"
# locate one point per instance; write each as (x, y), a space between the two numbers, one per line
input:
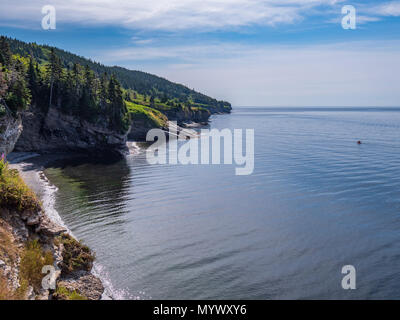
(315, 202)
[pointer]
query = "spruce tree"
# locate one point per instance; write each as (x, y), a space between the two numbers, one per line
(33, 81)
(117, 108)
(5, 52)
(54, 73)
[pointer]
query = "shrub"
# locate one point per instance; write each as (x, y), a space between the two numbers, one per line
(76, 256)
(62, 293)
(125, 122)
(21, 292)
(14, 193)
(33, 259)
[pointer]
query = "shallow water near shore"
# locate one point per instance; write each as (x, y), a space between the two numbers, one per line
(316, 201)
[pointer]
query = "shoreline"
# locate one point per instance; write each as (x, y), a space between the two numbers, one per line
(31, 168)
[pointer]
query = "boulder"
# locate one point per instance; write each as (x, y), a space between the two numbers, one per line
(85, 284)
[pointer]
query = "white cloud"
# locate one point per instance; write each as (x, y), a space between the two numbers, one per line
(360, 19)
(140, 41)
(340, 74)
(166, 14)
(372, 13)
(365, 19)
(388, 9)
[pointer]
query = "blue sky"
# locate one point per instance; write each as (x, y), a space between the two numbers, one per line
(249, 52)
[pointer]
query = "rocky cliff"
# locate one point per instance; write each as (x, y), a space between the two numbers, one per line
(18, 231)
(139, 129)
(29, 241)
(55, 131)
(140, 125)
(189, 115)
(10, 130)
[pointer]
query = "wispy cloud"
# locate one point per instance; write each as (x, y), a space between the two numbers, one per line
(387, 9)
(342, 74)
(216, 51)
(373, 13)
(361, 19)
(167, 14)
(228, 65)
(140, 41)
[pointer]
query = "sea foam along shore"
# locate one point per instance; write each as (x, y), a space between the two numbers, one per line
(30, 167)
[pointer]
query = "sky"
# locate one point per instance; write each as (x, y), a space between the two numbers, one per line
(248, 52)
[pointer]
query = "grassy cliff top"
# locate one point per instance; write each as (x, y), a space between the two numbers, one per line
(151, 117)
(14, 193)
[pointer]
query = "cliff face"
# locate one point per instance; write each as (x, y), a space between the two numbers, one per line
(30, 241)
(17, 231)
(140, 127)
(189, 115)
(200, 115)
(221, 108)
(28, 238)
(10, 130)
(56, 131)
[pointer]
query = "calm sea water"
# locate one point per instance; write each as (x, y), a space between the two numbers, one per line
(316, 201)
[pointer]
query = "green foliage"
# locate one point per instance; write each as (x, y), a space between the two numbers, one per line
(13, 84)
(116, 107)
(62, 293)
(5, 52)
(49, 77)
(38, 74)
(14, 193)
(33, 259)
(126, 122)
(140, 85)
(151, 117)
(76, 256)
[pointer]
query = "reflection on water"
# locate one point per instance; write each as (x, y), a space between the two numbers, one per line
(96, 188)
(315, 202)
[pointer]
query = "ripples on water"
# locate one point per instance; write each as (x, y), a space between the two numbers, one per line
(315, 202)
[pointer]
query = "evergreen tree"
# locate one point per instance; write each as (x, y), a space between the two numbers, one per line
(5, 52)
(117, 108)
(18, 95)
(87, 102)
(33, 80)
(54, 74)
(103, 92)
(164, 98)
(3, 83)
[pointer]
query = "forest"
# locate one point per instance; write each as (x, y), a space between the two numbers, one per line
(76, 90)
(46, 76)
